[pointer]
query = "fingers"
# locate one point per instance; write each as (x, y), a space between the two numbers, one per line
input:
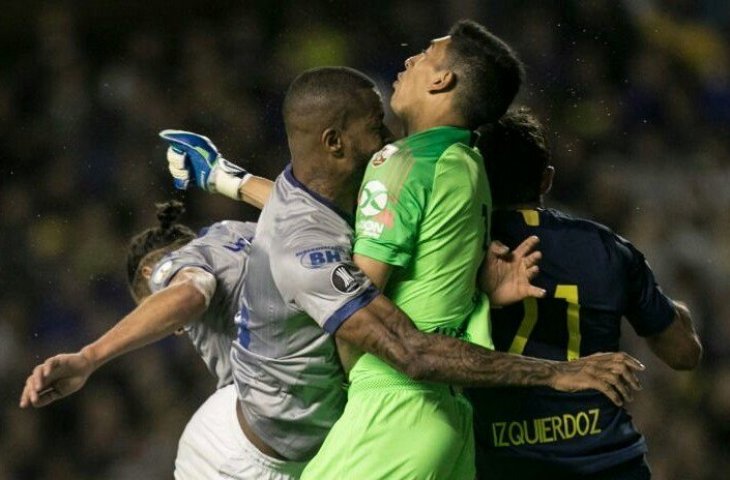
(49, 365)
(37, 385)
(175, 159)
(536, 292)
(608, 390)
(36, 378)
(621, 357)
(617, 370)
(631, 379)
(25, 395)
(498, 248)
(532, 259)
(613, 374)
(527, 246)
(47, 396)
(176, 166)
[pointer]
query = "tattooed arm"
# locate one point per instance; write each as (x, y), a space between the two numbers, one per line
(385, 331)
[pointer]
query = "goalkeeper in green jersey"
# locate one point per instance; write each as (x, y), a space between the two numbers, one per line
(422, 228)
(421, 232)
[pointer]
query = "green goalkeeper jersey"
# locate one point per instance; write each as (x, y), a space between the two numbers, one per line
(424, 208)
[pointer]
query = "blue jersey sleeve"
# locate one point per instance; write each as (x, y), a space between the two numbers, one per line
(648, 310)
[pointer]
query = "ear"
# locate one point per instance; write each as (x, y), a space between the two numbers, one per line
(444, 81)
(332, 141)
(547, 180)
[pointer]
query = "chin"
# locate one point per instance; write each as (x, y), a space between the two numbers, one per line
(395, 105)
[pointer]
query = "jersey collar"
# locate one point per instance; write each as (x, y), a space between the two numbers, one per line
(289, 176)
(441, 135)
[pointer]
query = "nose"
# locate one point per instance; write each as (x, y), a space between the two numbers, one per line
(409, 61)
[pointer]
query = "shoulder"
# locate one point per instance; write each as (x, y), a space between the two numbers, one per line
(308, 238)
(228, 228)
(611, 241)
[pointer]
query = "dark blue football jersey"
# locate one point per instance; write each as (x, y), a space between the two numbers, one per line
(593, 278)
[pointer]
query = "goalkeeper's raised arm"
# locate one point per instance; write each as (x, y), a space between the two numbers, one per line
(193, 157)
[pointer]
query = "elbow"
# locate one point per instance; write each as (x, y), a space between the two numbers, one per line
(689, 359)
(416, 366)
(191, 300)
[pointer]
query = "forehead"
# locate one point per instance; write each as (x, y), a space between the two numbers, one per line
(440, 43)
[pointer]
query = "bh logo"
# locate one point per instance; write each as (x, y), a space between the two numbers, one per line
(373, 198)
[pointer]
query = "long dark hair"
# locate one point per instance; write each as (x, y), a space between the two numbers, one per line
(167, 236)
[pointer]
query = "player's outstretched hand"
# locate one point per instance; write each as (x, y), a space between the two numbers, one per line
(56, 378)
(506, 274)
(191, 156)
(613, 374)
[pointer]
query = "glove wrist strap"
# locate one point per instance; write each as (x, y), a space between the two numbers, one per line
(229, 185)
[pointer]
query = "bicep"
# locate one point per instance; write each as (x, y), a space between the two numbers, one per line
(328, 290)
(378, 272)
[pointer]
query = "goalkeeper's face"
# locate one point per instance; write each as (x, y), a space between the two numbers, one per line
(424, 76)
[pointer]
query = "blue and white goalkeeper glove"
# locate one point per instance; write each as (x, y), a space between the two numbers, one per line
(194, 157)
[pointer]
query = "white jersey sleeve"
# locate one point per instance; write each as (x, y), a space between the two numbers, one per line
(322, 280)
(222, 251)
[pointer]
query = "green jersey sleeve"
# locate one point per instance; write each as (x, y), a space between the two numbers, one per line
(391, 206)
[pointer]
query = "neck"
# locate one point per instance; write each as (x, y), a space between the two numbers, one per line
(340, 190)
(430, 116)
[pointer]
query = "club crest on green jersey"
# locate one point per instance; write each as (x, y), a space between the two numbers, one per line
(383, 155)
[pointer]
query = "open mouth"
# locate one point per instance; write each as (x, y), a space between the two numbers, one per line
(397, 79)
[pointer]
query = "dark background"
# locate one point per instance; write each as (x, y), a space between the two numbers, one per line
(636, 95)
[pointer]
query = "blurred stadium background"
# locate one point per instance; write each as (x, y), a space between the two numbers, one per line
(636, 95)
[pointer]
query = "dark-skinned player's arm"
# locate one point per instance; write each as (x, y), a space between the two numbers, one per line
(184, 300)
(504, 276)
(380, 328)
(678, 345)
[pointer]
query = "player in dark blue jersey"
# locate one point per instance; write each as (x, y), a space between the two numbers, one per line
(593, 278)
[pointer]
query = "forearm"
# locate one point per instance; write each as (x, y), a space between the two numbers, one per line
(679, 345)
(448, 360)
(255, 191)
(385, 331)
(155, 318)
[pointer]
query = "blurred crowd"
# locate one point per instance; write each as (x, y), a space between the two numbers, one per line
(636, 95)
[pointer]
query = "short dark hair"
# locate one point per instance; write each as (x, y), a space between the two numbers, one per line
(516, 154)
(167, 236)
(489, 71)
(330, 89)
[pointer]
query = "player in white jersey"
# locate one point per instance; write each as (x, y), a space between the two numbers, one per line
(303, 291)
(181, 283)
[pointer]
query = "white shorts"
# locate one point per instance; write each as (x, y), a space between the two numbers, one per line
(213, 446)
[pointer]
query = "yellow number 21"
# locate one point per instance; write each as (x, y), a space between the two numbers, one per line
(570, 294)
